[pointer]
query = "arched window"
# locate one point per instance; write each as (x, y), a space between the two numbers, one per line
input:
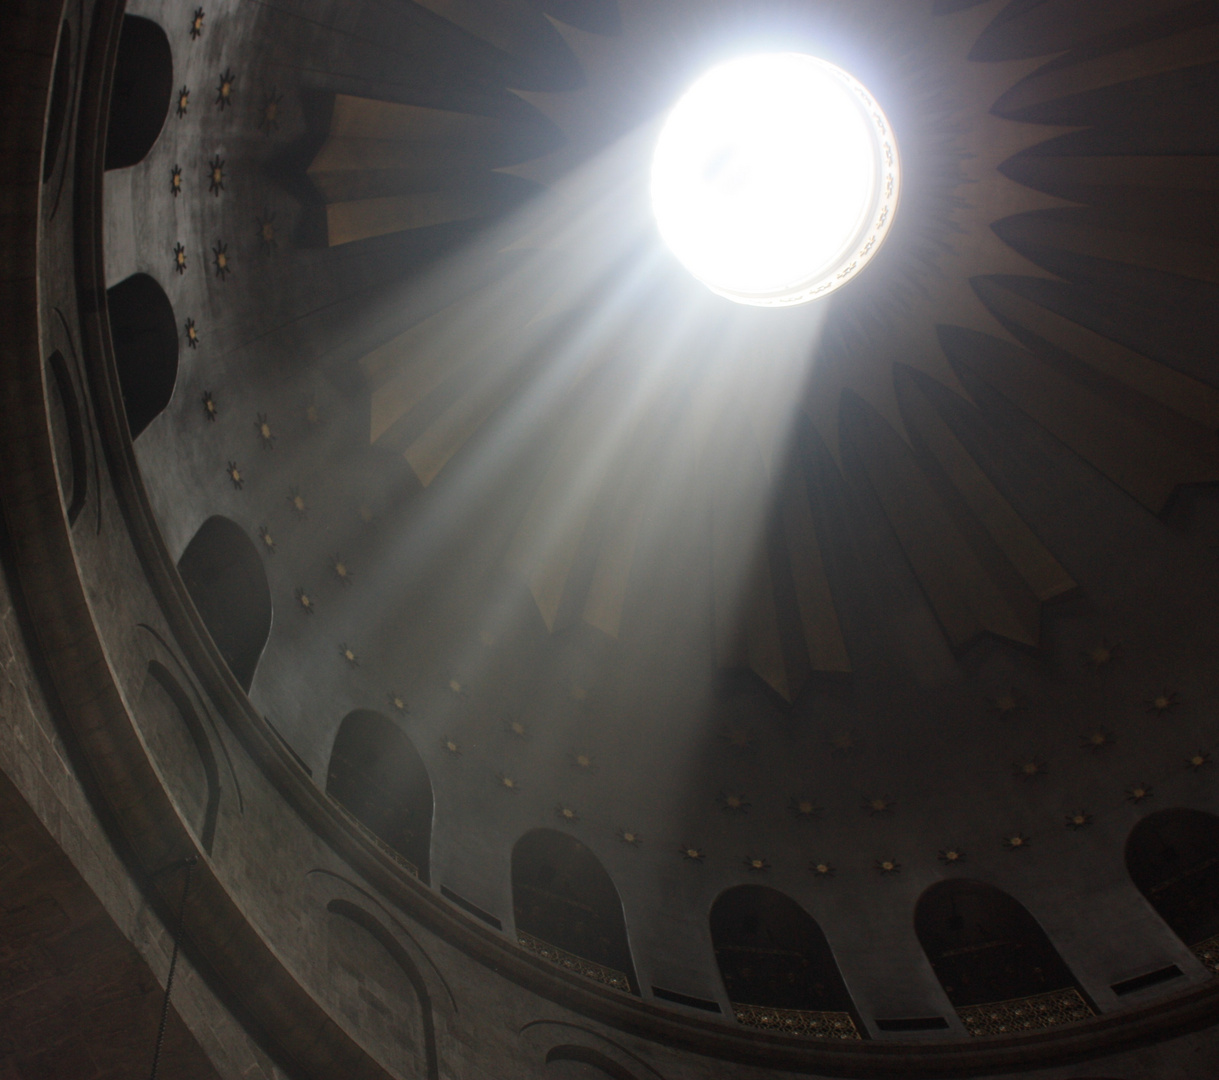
(380, 778)
(567, 909)
(996, 964)
(1173, 858)
(139, 97)
(777, 966)
(224, 575)
(145, 336)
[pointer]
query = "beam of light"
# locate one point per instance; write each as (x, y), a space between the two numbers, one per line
(594, 340)
(769, 177)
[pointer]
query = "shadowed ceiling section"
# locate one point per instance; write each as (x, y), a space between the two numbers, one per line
(145, 336)
(996, 964)
(567, 909)
(139, 99)
(225, 577)
(1173, 858)
(777, 967)
(378, 775)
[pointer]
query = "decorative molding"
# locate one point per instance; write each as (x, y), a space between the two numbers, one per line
(806, 1023)
(571, 962)
(1026, 1014)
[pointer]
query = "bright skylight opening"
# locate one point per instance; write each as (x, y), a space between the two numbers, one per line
(775, 179)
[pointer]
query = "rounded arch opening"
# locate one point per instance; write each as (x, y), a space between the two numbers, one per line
(1172, 857)
(996, 964)
(223, 573)
(567, 908)
(145, 335)
(377, 774)
(140, 94)
(777, 966)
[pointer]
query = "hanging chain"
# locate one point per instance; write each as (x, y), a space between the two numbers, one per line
(173, 963)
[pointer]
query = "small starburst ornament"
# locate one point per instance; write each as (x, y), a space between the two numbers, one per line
(630, 836)
(196, 24)
(516, 729)
(1016, 842)
(822, 869)
(297, 501)
(804, 809)
(1079, 820)
(192, 334)
(1029, 769)
(397, 702)
(582, 761)
(270, 111)
(1006, 704)
(876, 806)
(566, 814)
(1096, 740)
(179, 258)
(691, 853)
(1102, 653)
(888, 866)
(952, 856)
(1138, 793)
(183, 102)
(216, 170)
(341, 570)
(1163, 702)
(175, 181)
(734, 803)
(220, 259)
(224, 91)
(1198, 759)
(266, 232)
(265, 437)
(349, 654)
(507, 782)
(268, 541)
(449, 746)
(235, 477)
(756, 865)
(209, 406)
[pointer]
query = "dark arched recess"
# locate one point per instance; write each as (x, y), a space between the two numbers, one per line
(139, 97)
(224, 575)
(567, 909)
(777, 966)
(996, 964)
(145, 335)
(1173, 858)
(378, 775)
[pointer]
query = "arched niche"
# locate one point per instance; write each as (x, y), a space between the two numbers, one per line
(777, 966)
(145, 335)
(996, 964)
(223, 573)
(140, 94)
(1173, 859)
(378, 775)
(187, 751)
(567, 909)
(386, 947)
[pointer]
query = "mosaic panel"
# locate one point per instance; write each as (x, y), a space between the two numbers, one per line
(811, 1025)
(560, 957)
(1026, 1014)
